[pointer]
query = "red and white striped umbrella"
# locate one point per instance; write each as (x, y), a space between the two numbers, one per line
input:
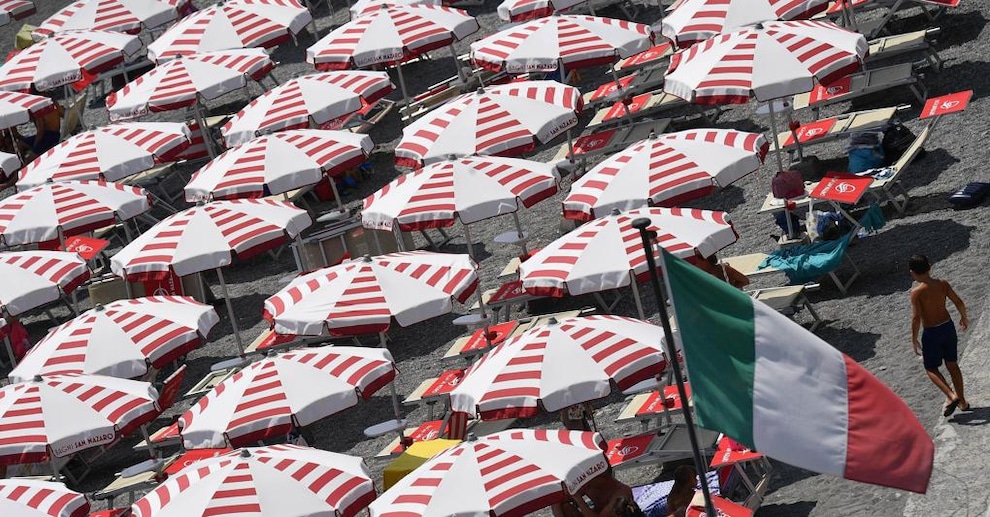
(362, 296)
(278, 163)
(272, 481)
(276, 394)
(467, 190)
(121, 339)
(316, 100)
(183, 82)
(601, 254)
(52, 211)
(208, 236)
(128, 16)
(502, 120)
(560, 364)
(63, 58)
(767, 61)
(570, 41)
(693, 21)
(365, 7)
(514, 472)
(390, 35)
(15, 10)
(35, 498)
(522, 10)
(232, 24)
(111, 153)
(35, 278)
(61, 415)
(666, 170)
(19, 108)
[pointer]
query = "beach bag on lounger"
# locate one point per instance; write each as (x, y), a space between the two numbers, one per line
(787, 184)
(896, 139)
(970, 195)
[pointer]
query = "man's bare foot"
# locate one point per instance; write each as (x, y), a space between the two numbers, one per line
(950, 407)
(963, 405)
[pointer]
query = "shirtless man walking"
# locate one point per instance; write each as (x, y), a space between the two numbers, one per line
(938, 339)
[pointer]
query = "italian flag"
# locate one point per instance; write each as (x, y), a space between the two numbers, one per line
(767, 382)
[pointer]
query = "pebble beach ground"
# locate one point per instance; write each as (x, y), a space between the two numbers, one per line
(870, 323)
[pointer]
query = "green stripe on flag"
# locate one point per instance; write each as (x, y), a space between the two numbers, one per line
(715, 321)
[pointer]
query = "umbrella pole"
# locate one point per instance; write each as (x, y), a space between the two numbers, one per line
(701, 467)
(13, 143)
(127, 230)
(563, 71)
(10, 351)
(460, 73)
(470, 247)
(51, 461)
(790, 124)
(383, 343)
(230, 311)
(378, 242)
(618, 86)
(402, 84)
(519, 233)
(336, 193)
(636, 296)
(481, 300)
(570, 146)
(205, 131)
(776, 144)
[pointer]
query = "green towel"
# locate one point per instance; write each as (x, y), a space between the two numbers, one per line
(809, 262)
(873, 219)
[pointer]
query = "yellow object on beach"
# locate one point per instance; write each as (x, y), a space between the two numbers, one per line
(413, 457)
(23, 39)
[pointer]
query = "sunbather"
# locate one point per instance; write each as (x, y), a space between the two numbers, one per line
(938, 340)
(609, 498)
(681, 494)
(721, 271)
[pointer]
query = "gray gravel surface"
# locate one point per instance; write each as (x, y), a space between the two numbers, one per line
(870, 323)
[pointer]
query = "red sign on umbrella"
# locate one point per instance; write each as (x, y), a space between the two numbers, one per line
(946, 104)
(811, 131)
(842, 187)
(86, 247)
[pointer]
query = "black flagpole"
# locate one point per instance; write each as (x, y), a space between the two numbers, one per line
(642, 224)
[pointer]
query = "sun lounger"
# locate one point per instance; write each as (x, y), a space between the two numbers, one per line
(899, 44)
(443, 91)
(474, 344)
(434, 390)
(877, 25)
(745, 473)
(656, 56)
(642, 106)
(596, 143)
(652, 498)
(860, 84)
(671, 444)
(801, 263)
(833, 128)
(650, 407)
(431, 429)
(643, 80)
(889, 187)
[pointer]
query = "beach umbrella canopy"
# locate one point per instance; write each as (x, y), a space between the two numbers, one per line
(65, 57)
(513, 472)
(316, 100)
(229, 25)
(9, 163)
(666, 170)
(36, 498)
(563, 363)
(15, 10)
(389, 35)
(34, 278)
(363, 7)
(522, 10)
(693, 21)
(61, 415)
(362, 296)
(208, 236)
(467, 189)
(568, 40)
(767, 61)
(278, 163)
(121, 339)
(502, 120)
(603, 253)
(272, 481)
(276, 394)
(19, 108)
(128, 16)
(184, 82)
(53, 211)
(110, 153)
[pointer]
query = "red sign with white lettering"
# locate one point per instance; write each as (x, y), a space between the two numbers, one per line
(426, 431)
(192, 456)
(446, 382)
(619, 108)
(723, 506)
(655, 53)
(589, 143)
(508, 291)
(831, 91)
(946, 104)
(610, 87)
(836, 7)
(811, 131)
(496, 334)
(86, 247)
(625, 449)
(842, 187)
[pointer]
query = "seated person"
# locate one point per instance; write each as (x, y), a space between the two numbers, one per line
(48, 132)
(609, 498)
(577, 417)
(685, 481)
(721, 271)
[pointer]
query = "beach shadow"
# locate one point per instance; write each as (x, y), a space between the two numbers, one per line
(925, 170)
(886, 272)
(977, 416)
(788, 509)
(329, 432)
(858, 345)
(481, 253)
(928, 203)
(726, 199)
(965, 27)
(960, 76)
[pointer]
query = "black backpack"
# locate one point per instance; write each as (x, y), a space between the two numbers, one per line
(896, 139)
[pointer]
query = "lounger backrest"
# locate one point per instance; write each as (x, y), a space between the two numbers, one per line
(72, 121)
